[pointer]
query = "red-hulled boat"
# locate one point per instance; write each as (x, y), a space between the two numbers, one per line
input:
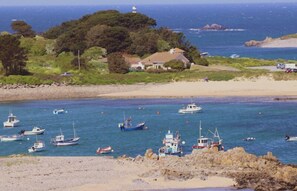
(105, 150)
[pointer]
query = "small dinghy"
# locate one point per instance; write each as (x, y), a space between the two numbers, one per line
(105, 150)
(249, 139)
(59, 111)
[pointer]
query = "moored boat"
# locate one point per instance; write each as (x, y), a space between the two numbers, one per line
(12, 121)
(104, 150)
(205, 142)
(34, 131)
(60, 140)
(11, 138)
(37, 147)
(249, 139)
(290, 138)
(59, 111)
(190, 108)
(127, 125)
(172, 145)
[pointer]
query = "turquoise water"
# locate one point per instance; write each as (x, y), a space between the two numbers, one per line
(96, 123)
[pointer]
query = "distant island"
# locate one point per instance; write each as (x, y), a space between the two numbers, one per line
(288, 41)
(213, 27)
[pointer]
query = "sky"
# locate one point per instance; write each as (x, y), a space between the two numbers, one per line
(130, 2)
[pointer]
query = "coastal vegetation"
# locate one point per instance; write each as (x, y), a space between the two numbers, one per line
(90, 51)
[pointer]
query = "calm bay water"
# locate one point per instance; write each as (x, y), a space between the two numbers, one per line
(249, 21)
(96, 123)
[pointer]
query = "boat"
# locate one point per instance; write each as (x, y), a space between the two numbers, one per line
(12, 121)
(172, 145)
(206, 142)
(249, 139)
(34, 131)
(234, 56)
(290, 138)
(60, 140)
(190, 108)
(11, 138)
(127, 125)
(37, 147)
(59, 111)
(105, 150)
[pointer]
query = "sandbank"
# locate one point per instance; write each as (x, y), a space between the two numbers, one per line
(279, 43)
(258, 87)
(90, 174)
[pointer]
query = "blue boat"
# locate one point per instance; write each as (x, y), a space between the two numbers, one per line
(127, 125)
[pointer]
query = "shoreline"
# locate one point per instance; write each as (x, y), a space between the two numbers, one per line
(261, 87)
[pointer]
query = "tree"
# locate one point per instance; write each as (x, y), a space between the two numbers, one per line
(12, 55)
(143, 43)
(175, 65)
(22, 28)
(94, 53)
(94, 35)
(117, 63)
(79, 63)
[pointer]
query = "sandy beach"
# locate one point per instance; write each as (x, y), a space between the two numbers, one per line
(243, 87)
(90, 174)
(279, 43)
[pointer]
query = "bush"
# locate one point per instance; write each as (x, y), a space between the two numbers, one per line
(175, 65)
(117, 63)
(201, 61)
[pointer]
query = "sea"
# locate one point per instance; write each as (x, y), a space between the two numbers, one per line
(96, 123)
(244, 22)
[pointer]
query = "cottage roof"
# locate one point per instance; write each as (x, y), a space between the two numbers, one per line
(131, 59)
(163, 57)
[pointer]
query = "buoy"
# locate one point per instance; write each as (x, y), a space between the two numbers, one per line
(28, 138)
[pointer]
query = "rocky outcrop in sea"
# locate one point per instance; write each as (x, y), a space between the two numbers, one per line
(258, 43)
(264, 173)
(213, 27)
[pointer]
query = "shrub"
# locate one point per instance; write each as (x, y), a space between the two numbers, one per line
(175, 65)
(117, 63)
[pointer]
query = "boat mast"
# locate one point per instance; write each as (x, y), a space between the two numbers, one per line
(200, 130)
(74, 133)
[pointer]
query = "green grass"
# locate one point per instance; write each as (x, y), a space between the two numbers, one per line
(289, 36)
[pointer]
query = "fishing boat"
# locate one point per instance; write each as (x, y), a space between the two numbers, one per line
(11, 138)
(190, 108)
(105, 150)
(172, 145)
(127, 125)
(290, 138)
(37, 147)
(60, 140)
(12, 121)
(205, 142)
(34, 131)
(59, 111)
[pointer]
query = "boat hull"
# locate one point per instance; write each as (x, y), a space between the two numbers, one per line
(140, 126)
(9, 124)
(34, 133)
(68, 142)
(291, 139)
(11, 138)
(184, 111)
(106, 150)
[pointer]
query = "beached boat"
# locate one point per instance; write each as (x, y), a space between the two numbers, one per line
(172, 145)
(105, 150)
(290, 138)
(34, 131)
(12, 121)
(59, 111)
(190, 108)
(127, 125)
(205, 142)
(37, 147)
(11, 138)
(60, 140)
(234, 56)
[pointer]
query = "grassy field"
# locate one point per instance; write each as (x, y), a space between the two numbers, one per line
(46, 68)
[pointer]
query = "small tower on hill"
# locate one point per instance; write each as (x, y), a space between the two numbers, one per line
(134, 9)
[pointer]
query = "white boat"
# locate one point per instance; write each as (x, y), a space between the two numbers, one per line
(12, 121)
(190, 108)
(60, 140)
(249, 139)
(59, 111)
(205, 142)
(234, 56)
(34, 131)
(11, 138)
(172, 145)
(37, 147)
(290, 138)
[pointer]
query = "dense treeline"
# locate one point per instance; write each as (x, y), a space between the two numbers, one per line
(133, 33)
